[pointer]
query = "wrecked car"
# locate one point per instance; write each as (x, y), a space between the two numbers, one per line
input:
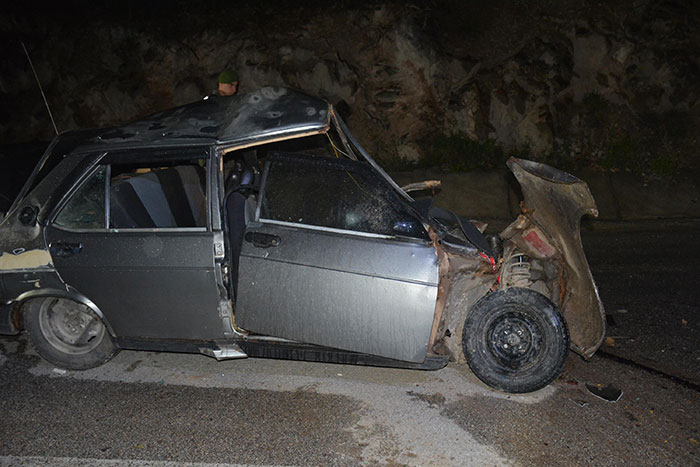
(257, 225)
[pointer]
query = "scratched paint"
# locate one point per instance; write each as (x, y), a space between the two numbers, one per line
(31, 259)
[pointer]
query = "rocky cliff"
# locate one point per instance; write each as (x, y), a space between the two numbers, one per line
(449, 83)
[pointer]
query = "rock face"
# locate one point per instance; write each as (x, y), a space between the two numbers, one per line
(615, 84)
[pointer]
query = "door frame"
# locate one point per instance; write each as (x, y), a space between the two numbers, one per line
(212, 229)
(422, 288)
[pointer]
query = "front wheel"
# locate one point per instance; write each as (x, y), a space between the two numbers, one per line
(68, 334)
(515, 340)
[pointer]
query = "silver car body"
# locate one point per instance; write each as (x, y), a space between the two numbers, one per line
(398, 297)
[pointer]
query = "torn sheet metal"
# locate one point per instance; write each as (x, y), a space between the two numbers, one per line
(549, 228)
(464, 279)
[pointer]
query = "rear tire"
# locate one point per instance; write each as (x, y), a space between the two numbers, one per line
(68, 334)
(515, 340)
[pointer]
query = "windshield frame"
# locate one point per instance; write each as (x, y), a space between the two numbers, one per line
(30, 183)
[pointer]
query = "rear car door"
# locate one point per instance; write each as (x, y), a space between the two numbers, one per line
(136, 238)
(335, 259)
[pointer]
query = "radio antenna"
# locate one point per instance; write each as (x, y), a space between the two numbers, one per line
(40, 88)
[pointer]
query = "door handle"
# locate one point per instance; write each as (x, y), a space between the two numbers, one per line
(63, 250)
(262, 240)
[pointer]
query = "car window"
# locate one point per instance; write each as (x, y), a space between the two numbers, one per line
(168, 194)
(163, 195)
(338, 194)
(86, 208)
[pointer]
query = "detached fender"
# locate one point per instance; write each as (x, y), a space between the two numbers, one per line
(550, 228)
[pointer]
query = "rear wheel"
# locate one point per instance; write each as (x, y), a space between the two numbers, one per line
(68, 334)
(515, 340)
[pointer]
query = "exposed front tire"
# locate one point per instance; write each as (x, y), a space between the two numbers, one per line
(515, 340)
(68, 334)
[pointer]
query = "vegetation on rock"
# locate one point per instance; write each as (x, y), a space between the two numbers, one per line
(460, 85)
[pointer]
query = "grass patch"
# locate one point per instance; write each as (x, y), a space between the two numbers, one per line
(459, 153)
(621, 154)
(456, 152)
(595, 109)
(561, 158)
(665, 164)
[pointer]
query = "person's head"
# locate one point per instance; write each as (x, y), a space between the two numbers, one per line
(228, 83)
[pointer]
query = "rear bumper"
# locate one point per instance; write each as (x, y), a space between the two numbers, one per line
(7, 326)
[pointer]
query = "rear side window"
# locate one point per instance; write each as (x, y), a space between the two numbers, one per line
(343, 195)
(161, 195)
(171, 196)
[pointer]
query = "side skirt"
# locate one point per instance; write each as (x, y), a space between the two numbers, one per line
(283, 351)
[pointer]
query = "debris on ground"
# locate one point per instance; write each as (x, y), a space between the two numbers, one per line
(608, 393)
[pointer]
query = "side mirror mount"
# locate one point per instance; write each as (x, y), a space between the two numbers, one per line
(420, 186)
(404, 226)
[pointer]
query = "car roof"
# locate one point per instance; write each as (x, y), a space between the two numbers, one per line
(268, 113)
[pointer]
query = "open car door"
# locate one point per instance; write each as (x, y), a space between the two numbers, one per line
(335, 258)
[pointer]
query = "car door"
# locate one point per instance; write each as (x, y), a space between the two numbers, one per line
(136, 238)
(335, 259)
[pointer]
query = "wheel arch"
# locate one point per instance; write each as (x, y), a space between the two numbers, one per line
(70, 294)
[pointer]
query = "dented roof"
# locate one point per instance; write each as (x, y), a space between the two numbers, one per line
(263, 114)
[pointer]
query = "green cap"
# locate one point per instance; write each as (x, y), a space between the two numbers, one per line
(228, 76)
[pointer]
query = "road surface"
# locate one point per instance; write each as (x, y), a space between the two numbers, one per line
(157, 409)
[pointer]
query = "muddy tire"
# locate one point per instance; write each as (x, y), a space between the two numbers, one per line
(515, 340)
(68, 334)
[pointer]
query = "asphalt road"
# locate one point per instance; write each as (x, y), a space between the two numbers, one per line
(146, 408)
(648, 275)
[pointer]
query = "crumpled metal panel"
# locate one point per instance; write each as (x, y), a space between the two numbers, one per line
(25, 243)
(554, 203)
(375, 296)
(270, 112)
(263, 114)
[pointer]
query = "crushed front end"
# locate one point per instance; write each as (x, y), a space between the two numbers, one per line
(540, 251)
